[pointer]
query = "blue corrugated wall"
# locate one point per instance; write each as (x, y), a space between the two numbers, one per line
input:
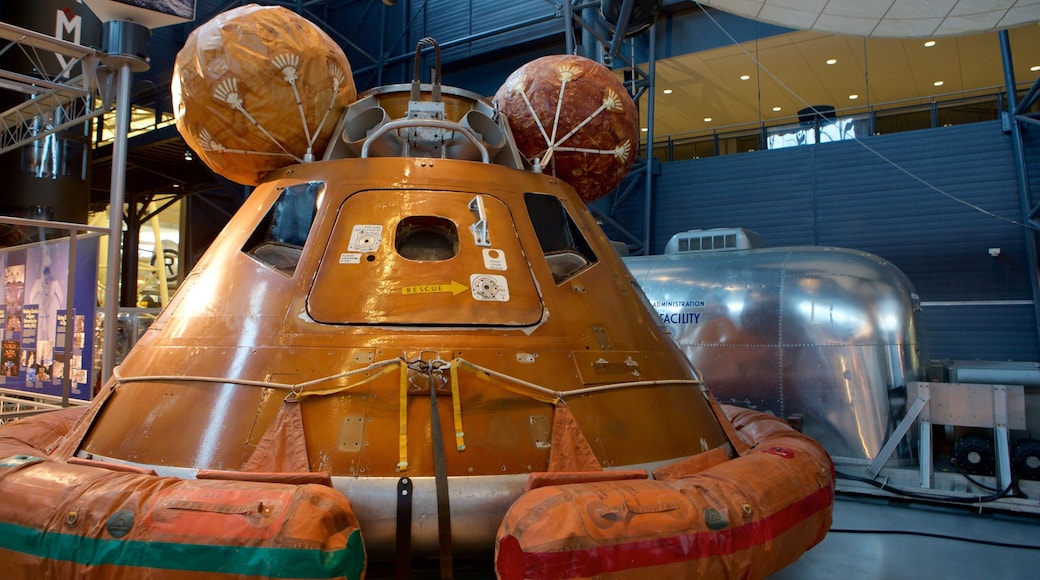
(932, 202)
(474, 34)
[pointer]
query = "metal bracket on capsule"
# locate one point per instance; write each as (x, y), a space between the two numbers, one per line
(479, 228)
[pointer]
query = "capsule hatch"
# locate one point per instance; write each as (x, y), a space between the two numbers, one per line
(418, 257)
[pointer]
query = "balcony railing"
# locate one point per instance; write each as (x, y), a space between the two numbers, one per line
(846, 124)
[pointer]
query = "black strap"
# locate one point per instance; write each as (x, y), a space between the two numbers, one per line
(440, 472)
(403, 552)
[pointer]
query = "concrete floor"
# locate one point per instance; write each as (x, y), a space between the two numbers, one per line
(874, 538)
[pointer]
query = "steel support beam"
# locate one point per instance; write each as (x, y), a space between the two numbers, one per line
(115, 224)
(1022, 175)
(584, 14)
(648, 204)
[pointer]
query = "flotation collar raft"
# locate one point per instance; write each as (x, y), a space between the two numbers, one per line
(78, 519)
(709, 516)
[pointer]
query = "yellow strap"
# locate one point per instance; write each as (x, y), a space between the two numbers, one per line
(402, 464)
(513, 385)
(456, 402)
(333, 391)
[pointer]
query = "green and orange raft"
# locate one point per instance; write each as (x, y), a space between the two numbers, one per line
(707, 516)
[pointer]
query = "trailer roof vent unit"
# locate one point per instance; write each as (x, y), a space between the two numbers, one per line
(713, 240)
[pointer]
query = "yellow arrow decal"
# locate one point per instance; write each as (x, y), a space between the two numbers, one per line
(455, 288)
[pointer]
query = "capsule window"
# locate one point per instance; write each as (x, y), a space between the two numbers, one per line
(279, 239)
(565, 248)
(426, 239)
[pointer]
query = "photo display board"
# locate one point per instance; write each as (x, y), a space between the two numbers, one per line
(35, 317)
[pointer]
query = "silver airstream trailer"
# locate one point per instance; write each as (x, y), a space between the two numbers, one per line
(824, 336)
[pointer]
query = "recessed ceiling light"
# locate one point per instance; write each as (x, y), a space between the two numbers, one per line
(667, 91)
(776, 109)
(832, 61)
(937, 83)
(1034, 68)
(707, 119)
(853, 97)
(929, 43)
(745, 77)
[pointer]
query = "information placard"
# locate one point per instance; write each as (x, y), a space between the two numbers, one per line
(35, 317)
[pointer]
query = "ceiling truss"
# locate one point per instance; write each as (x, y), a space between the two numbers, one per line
(53, 104)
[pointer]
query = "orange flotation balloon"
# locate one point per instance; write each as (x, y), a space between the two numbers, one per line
(258, 88)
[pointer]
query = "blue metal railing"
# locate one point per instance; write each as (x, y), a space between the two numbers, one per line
(875, 120)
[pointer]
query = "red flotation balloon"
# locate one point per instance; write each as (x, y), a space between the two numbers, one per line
(572, 116)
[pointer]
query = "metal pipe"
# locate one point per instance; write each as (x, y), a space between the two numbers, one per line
(115, 221)
(128, 268)
(1029, 98)
(621, 29)
(70, 323)
(622, 195)
(1022, 175)
(649, 184)
(588, 35)
(1027, 120)
(380, 66)
(51, 224)
(568, 25)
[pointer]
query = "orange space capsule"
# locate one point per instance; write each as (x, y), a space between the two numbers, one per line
(413, 347)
